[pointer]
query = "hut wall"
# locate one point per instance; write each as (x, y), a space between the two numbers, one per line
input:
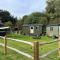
(37, 30)
(25, 30)
(59, 30)
(55, 31)
(48, 31)
(40, 29)
(52, 30)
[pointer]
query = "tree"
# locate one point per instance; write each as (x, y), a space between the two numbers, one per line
(5, 16)
(50, 6)
(53, 11)
(20, 22)
(9, 24)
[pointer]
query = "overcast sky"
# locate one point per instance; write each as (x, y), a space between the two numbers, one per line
(20, 8)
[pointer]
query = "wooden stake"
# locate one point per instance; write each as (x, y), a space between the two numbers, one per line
(36, 50)
(5, 45)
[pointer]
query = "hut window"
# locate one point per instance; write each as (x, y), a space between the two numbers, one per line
(37, 27)
(31, 27)
(51, 28)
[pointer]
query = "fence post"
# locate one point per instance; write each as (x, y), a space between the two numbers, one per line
(59, 46)
(5, 45)
(36, 50)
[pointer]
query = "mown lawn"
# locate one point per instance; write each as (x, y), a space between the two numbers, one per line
(30, 38)
(11, 55)
(28, 49)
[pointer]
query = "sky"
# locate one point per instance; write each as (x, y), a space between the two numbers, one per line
(20, 8)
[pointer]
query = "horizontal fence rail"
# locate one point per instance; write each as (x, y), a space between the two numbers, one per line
(44, 43)
(21, 41)
(30, 43)
(18, 51)
(48, 53)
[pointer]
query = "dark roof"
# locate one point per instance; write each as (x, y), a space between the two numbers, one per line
(33, 25)
(53, 25)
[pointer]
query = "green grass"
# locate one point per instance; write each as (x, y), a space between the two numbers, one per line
(11, 55)
(29, 38)
(28, 49)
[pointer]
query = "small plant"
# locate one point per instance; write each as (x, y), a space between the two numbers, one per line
(36, 37)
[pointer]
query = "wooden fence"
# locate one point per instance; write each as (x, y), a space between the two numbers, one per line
(35, 46)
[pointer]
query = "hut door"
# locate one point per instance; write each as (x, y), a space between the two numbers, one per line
(32, 29)
(59, 30)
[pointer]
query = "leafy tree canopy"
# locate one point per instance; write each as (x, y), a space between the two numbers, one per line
(35, 18)
(5, 16)
(53, 11)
